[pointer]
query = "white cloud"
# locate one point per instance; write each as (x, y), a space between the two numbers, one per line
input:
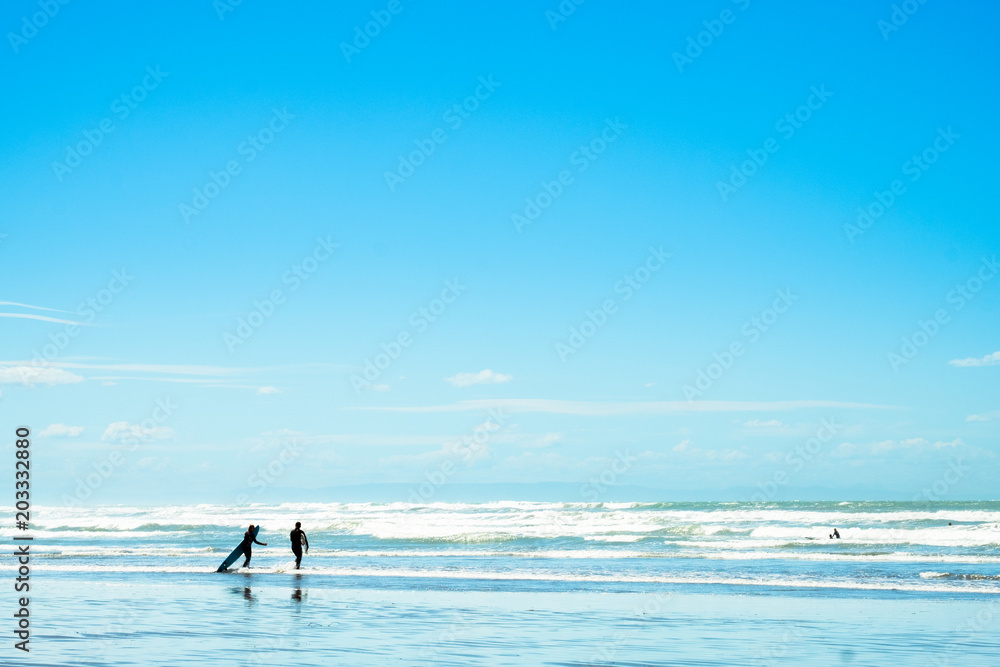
(756, 423)
(152, 463)
(485, 376)
(534, 466)
(550, 439)
(985, 417)
(61, 431)
(691, 451)
(612, 408)
(211, 376)
(124, 431)
(31, 375)
(907, 446)
(380, 387)
(462, 451)
(988, 360)
(268, 389)
(529, 441)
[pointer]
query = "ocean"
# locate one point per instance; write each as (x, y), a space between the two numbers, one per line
(519, 583)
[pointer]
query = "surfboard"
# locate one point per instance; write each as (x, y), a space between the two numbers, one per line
(237, 553)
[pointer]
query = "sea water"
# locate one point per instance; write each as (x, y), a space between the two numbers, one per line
(520, 583)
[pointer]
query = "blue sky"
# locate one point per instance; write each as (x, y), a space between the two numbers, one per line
(519, 178)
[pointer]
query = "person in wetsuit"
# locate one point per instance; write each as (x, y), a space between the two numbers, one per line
(298, 537)
(248, 540)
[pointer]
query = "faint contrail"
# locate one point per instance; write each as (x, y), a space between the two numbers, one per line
(45, 319)
(25, 305)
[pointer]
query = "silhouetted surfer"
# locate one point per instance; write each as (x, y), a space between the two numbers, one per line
(835, 534)
(298, 537)
(248, 540)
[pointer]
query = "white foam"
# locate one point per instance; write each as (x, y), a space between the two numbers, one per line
(784, 582)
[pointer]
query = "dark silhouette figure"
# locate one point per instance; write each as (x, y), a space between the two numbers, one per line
(248, 540)
(298, 537)
(835, 534)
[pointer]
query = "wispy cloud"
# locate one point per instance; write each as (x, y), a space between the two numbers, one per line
(988, 360)
(485, 376)
(268, 389)
(985, 417)
(757, 423)
(610, 408)
(173, 369)
(43, 318)
(908, 446)
(61, 431)
(123, 431)
(181, 369)
(154, 463)
(688, 450)
(209, 376)
(32, 375)
(25, 305)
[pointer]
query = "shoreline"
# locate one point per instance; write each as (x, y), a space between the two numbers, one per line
(274, 620)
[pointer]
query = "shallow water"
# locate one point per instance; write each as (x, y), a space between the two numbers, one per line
(521, 583)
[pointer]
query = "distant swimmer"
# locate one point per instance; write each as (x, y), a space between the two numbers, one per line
(298, 537)
(249, 538)
(835, 534)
